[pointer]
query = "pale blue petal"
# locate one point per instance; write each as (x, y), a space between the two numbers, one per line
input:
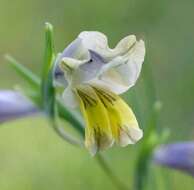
(13, 105)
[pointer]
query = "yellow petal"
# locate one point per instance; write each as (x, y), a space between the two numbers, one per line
(98, 135)
(123, 122)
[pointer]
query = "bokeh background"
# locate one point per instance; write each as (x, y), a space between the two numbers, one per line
(32, 156)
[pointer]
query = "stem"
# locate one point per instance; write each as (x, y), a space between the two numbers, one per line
(63, 134)
(109, 172)
(148, 144)
(141, 171)
(71, 118)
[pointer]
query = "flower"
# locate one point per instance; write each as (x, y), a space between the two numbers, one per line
(177, 156)
(14, 105)
(93, 76)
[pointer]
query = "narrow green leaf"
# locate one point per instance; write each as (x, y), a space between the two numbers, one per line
(24, 72)
(49, 50)
(48, 91)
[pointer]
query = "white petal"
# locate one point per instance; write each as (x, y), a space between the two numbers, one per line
(123, 71)
(69, 98)
(130, 135)
(94, 40)
(83, 72)
(76, 50)
(124, 45)
(98, 42)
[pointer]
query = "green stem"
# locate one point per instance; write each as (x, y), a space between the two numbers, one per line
(71, 118)
(109, 172)
(63, 134)
(141, 170)
(149, 141)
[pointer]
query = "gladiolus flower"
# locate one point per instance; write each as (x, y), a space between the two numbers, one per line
(93, 75)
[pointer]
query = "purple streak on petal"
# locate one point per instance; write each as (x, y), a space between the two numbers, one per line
(97, 57)
(92, 67)
(71, 49)
(13, 105)
(89, 70)
(178, 156)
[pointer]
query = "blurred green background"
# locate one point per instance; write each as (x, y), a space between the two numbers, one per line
(32, 156)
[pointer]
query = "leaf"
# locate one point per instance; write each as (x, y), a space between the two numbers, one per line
(49, 50)
(48, 91)
(24, 72)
